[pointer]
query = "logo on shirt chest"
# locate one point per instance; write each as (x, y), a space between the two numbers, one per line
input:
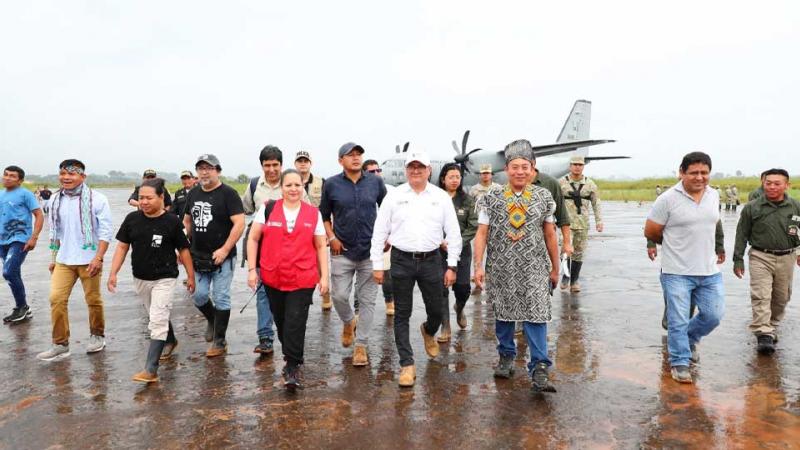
(156, 242)
(274, 223)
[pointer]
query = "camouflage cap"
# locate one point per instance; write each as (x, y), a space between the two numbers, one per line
(521, 148)
(486, 168)
(577, 160)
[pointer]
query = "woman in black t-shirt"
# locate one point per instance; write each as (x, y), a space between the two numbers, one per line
(155, 236)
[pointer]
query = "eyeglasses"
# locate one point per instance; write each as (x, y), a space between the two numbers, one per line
(375, 170)
(205, 168)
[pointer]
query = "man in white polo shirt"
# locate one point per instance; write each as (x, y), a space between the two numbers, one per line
(684, 221)
(416, 219)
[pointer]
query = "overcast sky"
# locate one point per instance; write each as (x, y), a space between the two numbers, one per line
(130, 85)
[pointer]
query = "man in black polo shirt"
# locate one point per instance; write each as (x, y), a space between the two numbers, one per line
(351, 197)
(179, 202)
(148, 174)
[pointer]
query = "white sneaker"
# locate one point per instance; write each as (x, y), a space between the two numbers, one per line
(96, 343)
(57, 351)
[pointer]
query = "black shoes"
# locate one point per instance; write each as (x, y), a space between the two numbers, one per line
(695, 358)
(18, 315)
(264, 346)
(541, 380)
(766, 344)
(505, 367)
(681, 374)
(292, 378)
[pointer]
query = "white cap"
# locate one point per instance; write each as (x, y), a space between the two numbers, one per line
(418, 156)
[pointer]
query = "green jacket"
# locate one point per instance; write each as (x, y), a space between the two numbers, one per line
(467, 217)
(758, 193)
(767, 225)
(552, 185)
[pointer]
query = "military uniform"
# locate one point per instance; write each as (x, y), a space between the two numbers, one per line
(772, 230)
(480, 190)
(313, 188)
(578, 196)
(731, 198)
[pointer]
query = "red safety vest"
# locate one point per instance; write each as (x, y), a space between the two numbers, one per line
(289, 260)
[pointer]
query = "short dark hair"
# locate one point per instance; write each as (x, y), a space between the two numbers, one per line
(370, 162)
(155, 183)
(766, 173)
(695, 158)
(18, 169)
(71, 162)
(270, 153)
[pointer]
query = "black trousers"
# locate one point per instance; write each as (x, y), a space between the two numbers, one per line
(290, 312)
(427, 274)
(387, 286)
(461, 288)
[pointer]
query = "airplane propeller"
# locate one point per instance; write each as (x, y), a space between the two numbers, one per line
(462, 155)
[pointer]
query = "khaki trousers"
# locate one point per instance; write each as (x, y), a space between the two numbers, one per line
(156, 298)
(61, 283)
(770, 289)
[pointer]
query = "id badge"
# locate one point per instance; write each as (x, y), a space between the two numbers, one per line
(793, 230)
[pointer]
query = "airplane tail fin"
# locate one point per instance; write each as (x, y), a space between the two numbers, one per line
(576, 128)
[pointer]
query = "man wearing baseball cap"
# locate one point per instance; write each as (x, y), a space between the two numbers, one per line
(416, 219)
(148, 174)
(214, 222)
(179, 203)
(486, 184)
(579, 194)
(351, 199)
(312, 184)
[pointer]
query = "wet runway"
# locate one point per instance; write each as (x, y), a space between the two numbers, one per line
(607, 345)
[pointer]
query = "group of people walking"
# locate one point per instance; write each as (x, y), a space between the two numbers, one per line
(350, 233)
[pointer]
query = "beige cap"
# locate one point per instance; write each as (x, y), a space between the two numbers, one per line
(486, 168)
(577, 160)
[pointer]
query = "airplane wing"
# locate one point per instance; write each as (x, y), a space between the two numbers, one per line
(563, 147)
(603, 158)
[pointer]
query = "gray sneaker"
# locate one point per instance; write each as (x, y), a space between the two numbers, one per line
(57, 351)
(695, 358)
(681, 374)
(96, 343)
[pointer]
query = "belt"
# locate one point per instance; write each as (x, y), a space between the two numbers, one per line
(417, 255)
(774, 252)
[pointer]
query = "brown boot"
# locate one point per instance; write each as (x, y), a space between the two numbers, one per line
(360, 356)
(349, 332)
(431, 347)
(444, 334)
(575, 287)
(407, 376)
(145, 377)
(327, 304)
(216, 349)
(390, 308)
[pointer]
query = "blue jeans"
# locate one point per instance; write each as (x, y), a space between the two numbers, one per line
(535, 333)
(217, 283)
(264, 321)
(680, 291)
(13, 256)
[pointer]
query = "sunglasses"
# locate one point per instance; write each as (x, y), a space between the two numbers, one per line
(375, 170)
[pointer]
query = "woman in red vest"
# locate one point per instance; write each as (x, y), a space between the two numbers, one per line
(288, 241)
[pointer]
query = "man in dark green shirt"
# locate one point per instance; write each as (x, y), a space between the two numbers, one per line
(771, 225)
(561, 215)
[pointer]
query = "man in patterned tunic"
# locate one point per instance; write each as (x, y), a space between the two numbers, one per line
(579, 194)
(516, 227)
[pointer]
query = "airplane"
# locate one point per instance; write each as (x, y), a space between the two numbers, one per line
(552, 159)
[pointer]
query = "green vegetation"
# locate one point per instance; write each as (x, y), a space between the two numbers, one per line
(645, 189)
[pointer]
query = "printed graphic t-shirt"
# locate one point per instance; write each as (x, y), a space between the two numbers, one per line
(211, 213)
(16, 223)
(153, 242)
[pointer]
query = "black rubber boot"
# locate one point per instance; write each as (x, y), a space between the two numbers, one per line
(171, 334)
(574, 271)
(221, 327)
(208, 312)
(153, 355)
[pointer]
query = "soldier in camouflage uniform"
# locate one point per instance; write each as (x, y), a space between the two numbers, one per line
(579, 193)
(477, 191)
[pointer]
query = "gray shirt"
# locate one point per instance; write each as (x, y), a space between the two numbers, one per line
(689, 227)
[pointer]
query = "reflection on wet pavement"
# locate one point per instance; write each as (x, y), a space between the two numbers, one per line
(609, 354)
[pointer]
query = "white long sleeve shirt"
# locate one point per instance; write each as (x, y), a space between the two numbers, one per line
(416, 222)
(71, 251)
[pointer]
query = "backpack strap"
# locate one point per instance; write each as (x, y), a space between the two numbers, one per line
(253, 186)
